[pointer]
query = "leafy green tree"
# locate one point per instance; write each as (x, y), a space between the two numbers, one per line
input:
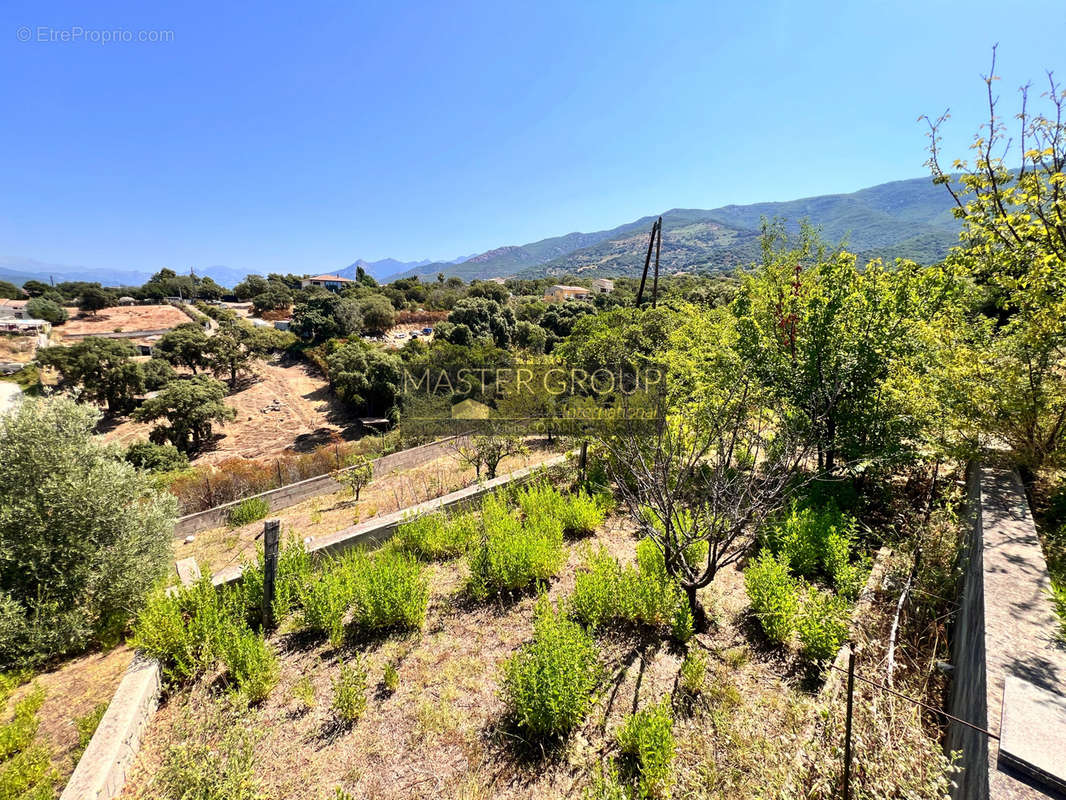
(10, 291)
(207, 289)
(93, 298)
(83, 534)
(103, 368)
(367, 378)
(156, 457)
(530, 336)
(325, 316)
(157, 373)
(483, 318)
(39, 308)
(251, 287)
(1014, 246)
(184, 346)
(273, 299)
(35, 288)
(232, 349)
(190, 408)
(377, 314)
(359, 472)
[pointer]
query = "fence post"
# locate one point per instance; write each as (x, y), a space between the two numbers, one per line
(271, 537)
(847, 722)
(277, 463)
(583, 459)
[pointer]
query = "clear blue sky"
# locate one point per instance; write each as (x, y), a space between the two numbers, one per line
(300, 136)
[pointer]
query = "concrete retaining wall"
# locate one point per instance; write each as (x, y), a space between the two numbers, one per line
(101, 772)
(294, 493)
(1005, 634)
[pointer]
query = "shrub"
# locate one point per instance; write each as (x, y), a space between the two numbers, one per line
(582, 514)
(250, 664)
(349, 691)
(816, 542)
(84, 535)
(294, 571)
(156, 457)
(247, 511)
(304, 693)
(391, 677)
(548, 684)
(388, 590)
(86, 726)
(358, 473)
(198, 771)
(25, 769)
(773, 596)
(606, 593)
(647, 740)
(693, 673)
(822, 625)
(324, 601)
(513, 555)
(433, 536)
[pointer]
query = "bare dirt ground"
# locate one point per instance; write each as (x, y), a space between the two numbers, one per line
(74, 690)
(286, 405)
(319, 516)
(124, 318)
(443, 732)
(18, 349)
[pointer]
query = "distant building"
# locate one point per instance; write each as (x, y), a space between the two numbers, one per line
(332, 282)
(603, 286)
(126, 300)
(12, 309)
(25, 327)
(561, 294)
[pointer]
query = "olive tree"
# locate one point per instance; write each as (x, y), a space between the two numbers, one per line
(83, 533)
(190, 408)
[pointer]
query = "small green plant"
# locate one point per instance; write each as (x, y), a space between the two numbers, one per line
(324, 601)
(817, 542)
(646, 739)
(251, 665)
(548, 684)
(582, 514)
(432, 536)
(349, 691)
(513, 554)
(388, 591)
(197, 771)
(1058, 599)
(304, 693)
(773, 596)
(247, 511)
(822, 625)
(391, 677)
(693, 674)
(359, 472)
(294, 570)
(25, 769)
(86, 726)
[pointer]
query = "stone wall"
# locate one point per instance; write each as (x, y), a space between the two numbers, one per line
(294, 493)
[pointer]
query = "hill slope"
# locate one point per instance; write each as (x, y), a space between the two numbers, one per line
(902, 219)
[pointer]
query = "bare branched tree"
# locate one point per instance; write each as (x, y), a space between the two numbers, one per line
(700, 483)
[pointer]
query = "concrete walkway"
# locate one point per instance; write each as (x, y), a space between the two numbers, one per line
(9, 395)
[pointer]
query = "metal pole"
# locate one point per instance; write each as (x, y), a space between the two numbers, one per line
(271, 537)
(847, 723)
(658, 246)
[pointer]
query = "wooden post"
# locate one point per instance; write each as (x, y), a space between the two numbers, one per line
(271, 537)
(847, 723)
(583, 459)
(277, 463)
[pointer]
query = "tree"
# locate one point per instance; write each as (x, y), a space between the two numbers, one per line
(251, 286)
(273, 299)
(190, 407)
(530, 336)
(711, 463)
(39, 308)
(156, 457)
(184, 346)
(366, 378)
(83, 534)
(93, 298)
(484, 318)
(359, 472)
(325, 316)
(232, 349)
(486, 449)
(157, 373)
(207, 289)
(103, 368)
(10, 291)
(35, 288)
(1014, 246)
(377, 315)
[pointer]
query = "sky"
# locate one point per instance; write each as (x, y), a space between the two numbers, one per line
(270, 136)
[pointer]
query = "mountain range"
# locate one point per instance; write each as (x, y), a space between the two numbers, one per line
(902, 219)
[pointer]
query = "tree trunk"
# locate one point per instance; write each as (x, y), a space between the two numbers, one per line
(699, 616)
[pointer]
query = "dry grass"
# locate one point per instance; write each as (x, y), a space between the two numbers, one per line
(124, 318)
(442, 733)
(17, 349)
(329, 513)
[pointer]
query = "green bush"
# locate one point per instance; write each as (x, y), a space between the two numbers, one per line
(607, 593)
(324, 601)
(349, 691)
(294, 571)
(84, 534)
(822, 625)
(433, 536)
(548, 684)
(247, 511)
(647, 741)
(582, 514)
(773, 596)
(25, 768)
(816, 542)
(513, 554)
(388, 591)
(198, 771)
(693, 674)
(251, 665)
(391, 677)
(156, 457)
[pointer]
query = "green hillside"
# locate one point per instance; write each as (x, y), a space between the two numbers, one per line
(901, 219)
